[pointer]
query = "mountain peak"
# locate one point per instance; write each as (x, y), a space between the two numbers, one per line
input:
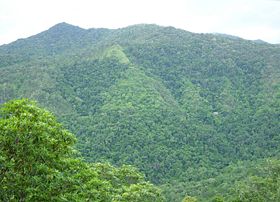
(64, 26)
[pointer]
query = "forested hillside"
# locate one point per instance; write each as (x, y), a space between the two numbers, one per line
(188, 110)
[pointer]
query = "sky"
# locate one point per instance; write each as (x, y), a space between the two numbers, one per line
(249, 19)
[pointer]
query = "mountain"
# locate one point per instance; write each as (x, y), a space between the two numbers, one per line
(180, 106)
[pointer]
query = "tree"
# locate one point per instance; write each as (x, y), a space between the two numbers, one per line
(261, 187)
(189, 199)
(38, 162)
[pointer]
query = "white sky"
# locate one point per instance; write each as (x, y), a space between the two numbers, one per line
(249, 19)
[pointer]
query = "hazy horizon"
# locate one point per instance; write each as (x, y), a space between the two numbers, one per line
(214, 33)
(248, 19)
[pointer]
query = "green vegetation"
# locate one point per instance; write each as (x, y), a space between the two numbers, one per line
(193, 112)
(261, 187)
(38, 163)
(242, 181)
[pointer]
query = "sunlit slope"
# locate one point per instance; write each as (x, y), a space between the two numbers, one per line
(178, 105)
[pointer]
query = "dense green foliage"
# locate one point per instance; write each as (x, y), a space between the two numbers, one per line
(242, 181)
(38, 163)
(262, 186)
(184, 108)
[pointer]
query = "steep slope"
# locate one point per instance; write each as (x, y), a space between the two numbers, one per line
(139, 117)
(178, 105)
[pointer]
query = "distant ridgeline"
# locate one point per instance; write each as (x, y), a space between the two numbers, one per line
(191, 111)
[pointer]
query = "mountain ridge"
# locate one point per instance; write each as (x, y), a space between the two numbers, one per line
(178, 105)
(64, 26)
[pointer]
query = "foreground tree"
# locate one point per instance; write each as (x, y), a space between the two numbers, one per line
(38, 163)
